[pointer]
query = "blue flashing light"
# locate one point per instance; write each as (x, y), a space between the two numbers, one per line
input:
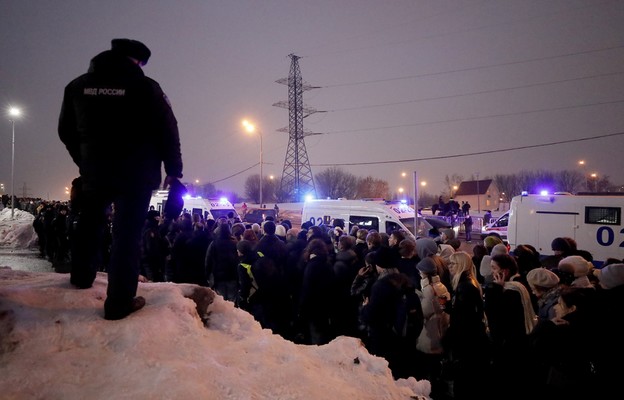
(544, 192)
(186, 196)
(223, 200)
(308, 197)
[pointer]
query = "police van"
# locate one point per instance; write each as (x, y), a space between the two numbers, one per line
(207, 208)
(593, 221)
(380, 215)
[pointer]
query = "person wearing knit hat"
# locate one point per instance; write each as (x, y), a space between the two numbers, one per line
(576, 265)
(561, 247)
(427, 266)
(120, 130)
(499, 249)
(580, 268)
(426, 247)
(611, 276)
(131, 48)
(545, 286)
(384, 257)
(433, 299)
(244, 247)
(485, 268)
(272, 246)
(542, 279)
(490, 241)
(280, 231)
(269, 227)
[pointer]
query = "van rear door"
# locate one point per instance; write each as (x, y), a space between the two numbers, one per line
(551, 225)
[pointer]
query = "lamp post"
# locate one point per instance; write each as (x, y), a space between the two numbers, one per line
(478, 195)
(594, 182)
(251, 129)
(582, 164)
(13, 113)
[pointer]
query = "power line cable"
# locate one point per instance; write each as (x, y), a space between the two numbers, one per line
(476, 118)
(474, 153)
(473, 68)
(478, 93)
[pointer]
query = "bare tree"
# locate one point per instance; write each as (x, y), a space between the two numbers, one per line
(570, 181)
(507, 184)
(252, 187)
(450, 182)
(206, 190)
(334, 183)
(370, 187)
(535, 181)
(602, 185)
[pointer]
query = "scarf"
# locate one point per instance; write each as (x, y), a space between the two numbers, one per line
(530, 319)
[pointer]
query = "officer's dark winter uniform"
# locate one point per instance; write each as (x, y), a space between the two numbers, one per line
(118, 127)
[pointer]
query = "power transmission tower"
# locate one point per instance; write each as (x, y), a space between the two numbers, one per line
(297, 181)
(25, 191)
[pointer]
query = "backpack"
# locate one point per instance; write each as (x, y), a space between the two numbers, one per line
(408, 320)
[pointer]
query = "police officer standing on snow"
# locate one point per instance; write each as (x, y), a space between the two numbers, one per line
(118, 127)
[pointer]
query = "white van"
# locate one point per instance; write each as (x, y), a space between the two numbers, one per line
(207, 208)
(380, 215)
(498, 226)
(593, 221)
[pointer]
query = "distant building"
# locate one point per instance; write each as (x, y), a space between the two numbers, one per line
(482, 195)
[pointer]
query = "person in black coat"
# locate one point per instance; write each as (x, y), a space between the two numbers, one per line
(345, 270)
(317, 298)
(379, 312)
(180, 261)
(563, 360)
(466, 342)
(262, 289)
(511, 318)
(221, 263)
(154, 249)
(272, 246)
(119, 129)
(197, 246)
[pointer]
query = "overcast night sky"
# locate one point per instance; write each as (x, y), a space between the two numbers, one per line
(406, 85)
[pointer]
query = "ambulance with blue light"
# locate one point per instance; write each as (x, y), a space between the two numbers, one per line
(594, 221)
(208, 208)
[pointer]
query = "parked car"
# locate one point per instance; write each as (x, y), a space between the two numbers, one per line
(258, 215)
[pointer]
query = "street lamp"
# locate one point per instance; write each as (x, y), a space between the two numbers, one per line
(13, 113)
(251, 129)
(594, 179)
(582, 164)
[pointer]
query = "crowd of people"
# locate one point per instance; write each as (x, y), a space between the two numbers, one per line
(485, 325)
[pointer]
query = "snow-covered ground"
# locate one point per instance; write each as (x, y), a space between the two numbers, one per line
(55, 344)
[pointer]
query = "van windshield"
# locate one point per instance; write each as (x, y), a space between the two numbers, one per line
(216, 214)
(409, 223)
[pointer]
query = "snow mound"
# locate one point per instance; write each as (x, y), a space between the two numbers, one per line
(17, 232)
(187, 343)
